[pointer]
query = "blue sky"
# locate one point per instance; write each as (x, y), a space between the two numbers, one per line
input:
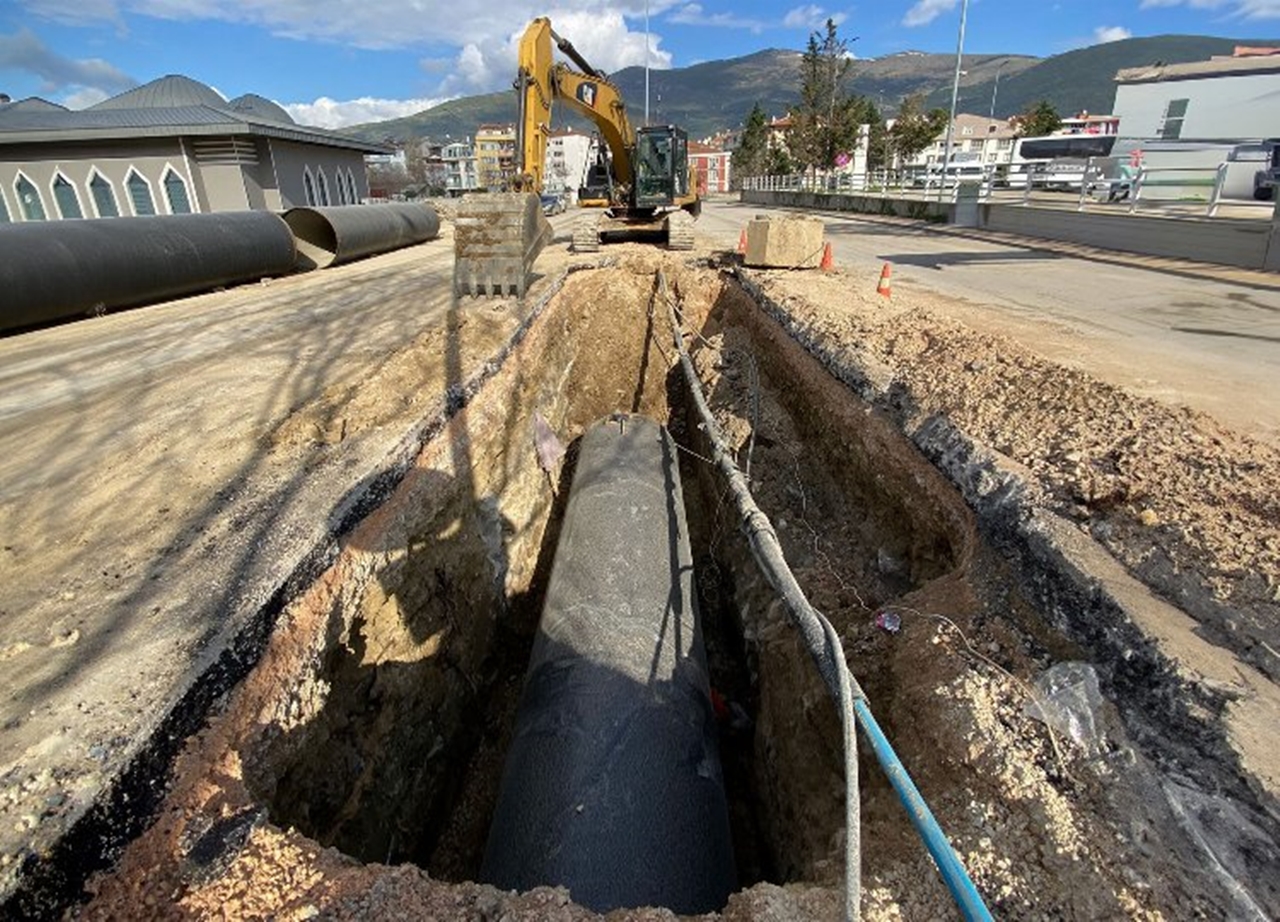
(337, 62)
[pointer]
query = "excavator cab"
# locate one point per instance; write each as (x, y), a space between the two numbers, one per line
(597, 188)
(662, 166)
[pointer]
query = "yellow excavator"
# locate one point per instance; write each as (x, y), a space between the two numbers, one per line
(642, 178)
(641, 187)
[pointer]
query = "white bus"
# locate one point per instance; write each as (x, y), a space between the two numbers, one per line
(1052, 161)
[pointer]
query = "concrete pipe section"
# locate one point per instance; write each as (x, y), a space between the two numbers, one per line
(334, 235)
(53, 270)
(612, 786)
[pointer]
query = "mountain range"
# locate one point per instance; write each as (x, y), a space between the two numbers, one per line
(715, 95)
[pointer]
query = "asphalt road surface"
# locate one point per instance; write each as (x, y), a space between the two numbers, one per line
(1205, 337)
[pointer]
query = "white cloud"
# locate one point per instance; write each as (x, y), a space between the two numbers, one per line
(605, 40)
(1104, 34)
(84, 98)
(1236, 9)
(75, 13)
(810, 18)
(23, 51)
(484, 33)
(926, 11)
(693, 14)
(331, 113)
(1194, 4)
(1259, 9)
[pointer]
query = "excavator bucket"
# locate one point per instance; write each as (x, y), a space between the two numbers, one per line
(497, 237)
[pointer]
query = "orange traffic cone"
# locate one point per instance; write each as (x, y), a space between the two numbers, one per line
(742, 242)
(828, 261)
(883, 288)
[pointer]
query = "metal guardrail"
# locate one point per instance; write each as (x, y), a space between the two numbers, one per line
(1096, 185)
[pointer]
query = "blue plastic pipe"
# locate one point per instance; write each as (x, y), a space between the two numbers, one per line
(953, 872)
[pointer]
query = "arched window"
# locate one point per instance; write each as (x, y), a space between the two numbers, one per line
(341, 187)
(104, 196)
(4, 210)
(29, 199)
(140, 194)
(324, 186)
(64, 195)
(175, 190)
(309, 186)
(351, 187)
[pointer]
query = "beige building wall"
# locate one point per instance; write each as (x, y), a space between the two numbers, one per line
(294, 161)
(260, 179)
(80, 163)
(219, 166)
(219, 173)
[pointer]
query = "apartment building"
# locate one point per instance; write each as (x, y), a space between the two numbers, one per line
(495, 149)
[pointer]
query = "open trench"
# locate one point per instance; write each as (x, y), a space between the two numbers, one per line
(372, 734)
(443, 634)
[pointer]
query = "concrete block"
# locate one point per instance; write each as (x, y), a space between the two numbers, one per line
(784, 243)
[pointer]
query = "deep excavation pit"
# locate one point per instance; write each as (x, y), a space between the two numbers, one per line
(369, 742)
(377, 772)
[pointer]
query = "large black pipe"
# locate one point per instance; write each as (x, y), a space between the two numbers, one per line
(50, 270)
(612, 785)
(332, 235)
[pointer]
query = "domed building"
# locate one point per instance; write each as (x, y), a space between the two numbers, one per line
(171, 146)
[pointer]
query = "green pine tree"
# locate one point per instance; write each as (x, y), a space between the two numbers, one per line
(825, 124)
(751, 156)
(914, 129)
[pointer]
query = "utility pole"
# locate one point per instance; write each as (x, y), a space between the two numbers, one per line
(955, 93)
(646, 62)
(994, 88)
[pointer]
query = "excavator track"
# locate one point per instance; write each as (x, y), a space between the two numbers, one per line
(679, 231)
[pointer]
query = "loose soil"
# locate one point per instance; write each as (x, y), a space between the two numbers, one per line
(352, 773)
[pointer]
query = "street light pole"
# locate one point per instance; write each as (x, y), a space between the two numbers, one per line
(646, 62)
(955, 93)
(994, 88)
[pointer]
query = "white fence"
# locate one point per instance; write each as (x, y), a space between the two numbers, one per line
(1093, 184)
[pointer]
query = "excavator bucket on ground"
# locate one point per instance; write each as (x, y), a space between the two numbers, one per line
(497, 237)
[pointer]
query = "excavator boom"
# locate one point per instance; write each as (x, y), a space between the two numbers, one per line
(541, 81)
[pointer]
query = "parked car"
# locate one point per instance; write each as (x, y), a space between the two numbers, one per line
(1267, 179)
(553, 204)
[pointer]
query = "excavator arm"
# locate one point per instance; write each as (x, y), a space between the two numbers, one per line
(541, 81)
